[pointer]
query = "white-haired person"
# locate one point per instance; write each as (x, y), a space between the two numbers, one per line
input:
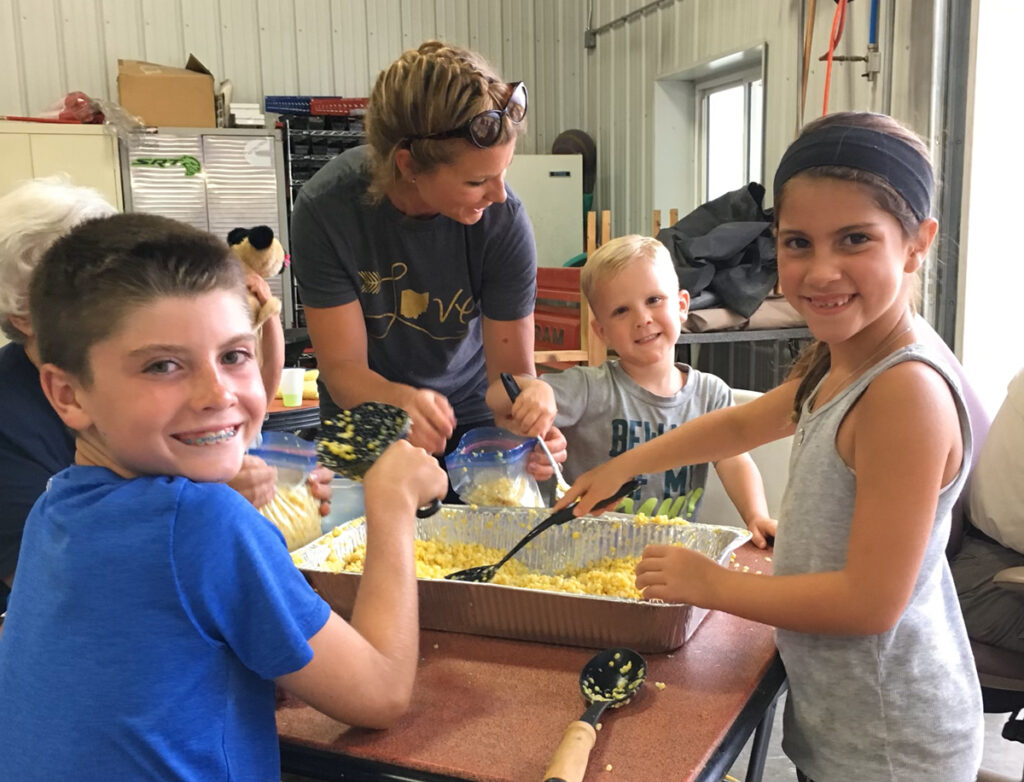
(34, 443)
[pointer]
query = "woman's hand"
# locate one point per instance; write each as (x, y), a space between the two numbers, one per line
(433, 419)
(538, 466)
(319, 482)
(676, 574)
(256, 481)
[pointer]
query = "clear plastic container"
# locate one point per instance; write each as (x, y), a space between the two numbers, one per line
(346, 503)
(294, 510)
(488, 468)
(293, 457)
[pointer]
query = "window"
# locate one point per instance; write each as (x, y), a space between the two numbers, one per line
(721, 101)
(731, 114)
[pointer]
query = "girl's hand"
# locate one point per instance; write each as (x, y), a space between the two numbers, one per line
(404, 474)
(676, 574)
(534, 409)
(319, 482)
(762, 528)
(595, 485)
(539, 466)
(433, 419)
(256, 481)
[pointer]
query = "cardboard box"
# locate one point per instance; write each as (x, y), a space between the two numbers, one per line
(163, 95)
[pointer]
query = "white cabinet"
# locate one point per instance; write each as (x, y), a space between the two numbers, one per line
(551, 189)
(88, 154)
(215, 179)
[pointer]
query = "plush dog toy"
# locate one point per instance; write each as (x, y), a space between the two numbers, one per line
(259, 251)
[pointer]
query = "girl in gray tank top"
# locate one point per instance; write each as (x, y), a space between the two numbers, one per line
(882, 682)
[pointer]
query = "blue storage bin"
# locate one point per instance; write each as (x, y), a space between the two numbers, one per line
(287, 104)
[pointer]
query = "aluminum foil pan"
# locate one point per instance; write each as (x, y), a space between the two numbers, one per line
(532, 614)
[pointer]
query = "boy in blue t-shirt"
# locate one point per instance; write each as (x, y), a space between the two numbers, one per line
(154, 608)
(638, 309)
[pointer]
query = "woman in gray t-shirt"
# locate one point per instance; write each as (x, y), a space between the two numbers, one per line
(416, 264)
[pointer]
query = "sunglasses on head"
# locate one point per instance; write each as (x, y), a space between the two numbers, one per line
(484, 129)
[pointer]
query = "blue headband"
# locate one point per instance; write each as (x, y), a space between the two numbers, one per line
(891, 158)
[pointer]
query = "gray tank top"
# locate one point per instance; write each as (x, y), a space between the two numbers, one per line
(901, 705)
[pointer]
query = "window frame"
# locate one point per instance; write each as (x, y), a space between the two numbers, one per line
(703, 89)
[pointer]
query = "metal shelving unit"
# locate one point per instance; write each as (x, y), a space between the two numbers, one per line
(311, 141)
(756, 359)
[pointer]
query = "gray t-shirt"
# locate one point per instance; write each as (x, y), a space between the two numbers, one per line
(900, 705)
(603, 412)
(422, 283)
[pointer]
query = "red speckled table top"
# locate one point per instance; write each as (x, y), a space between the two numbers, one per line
(494, 710)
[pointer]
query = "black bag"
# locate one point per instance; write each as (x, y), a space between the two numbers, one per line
(725, 247)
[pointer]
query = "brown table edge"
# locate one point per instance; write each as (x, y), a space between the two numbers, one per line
(755, 717)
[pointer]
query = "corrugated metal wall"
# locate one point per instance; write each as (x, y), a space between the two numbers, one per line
(49, 47)
(306, 47)
(679, 35)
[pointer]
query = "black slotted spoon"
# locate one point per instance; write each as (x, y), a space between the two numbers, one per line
(485, 573)
(610, 678)
(353, 440)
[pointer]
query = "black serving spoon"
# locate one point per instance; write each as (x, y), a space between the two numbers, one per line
(485, 573)
(610, 678)
(353, 440)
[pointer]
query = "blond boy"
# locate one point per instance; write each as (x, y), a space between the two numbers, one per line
(638, 309)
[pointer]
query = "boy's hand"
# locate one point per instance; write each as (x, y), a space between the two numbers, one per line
(534, 410)
(433, 419)
(762, 528)
(676, 574)
(319, 482)
(407, 474)
(258, 287)
(256, 481)
(538, 466)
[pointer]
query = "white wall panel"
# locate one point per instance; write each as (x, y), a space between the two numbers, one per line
(85, 64)
(517, 39)
(485, 31)
(546, 115)
(45, 79)
(201, 34)
(384, 35)
(163, 40)
(418, 23)
(350, 42)
(315, 53)
(240, 40)
(517, 61)
(12, 86)
(452, 21)
(278, 50)
(122, 39)
(558, 54)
